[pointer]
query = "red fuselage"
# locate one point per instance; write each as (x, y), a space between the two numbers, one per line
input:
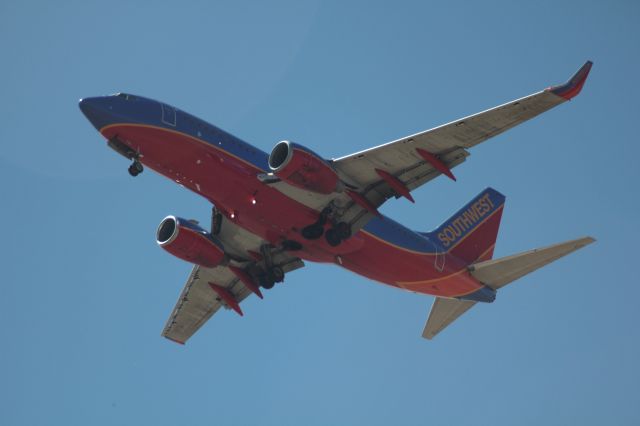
(223, 169)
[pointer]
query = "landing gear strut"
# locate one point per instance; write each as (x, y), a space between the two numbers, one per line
(135, 168)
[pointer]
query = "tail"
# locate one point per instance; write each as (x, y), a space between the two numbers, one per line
(495, 274)
(471, 233)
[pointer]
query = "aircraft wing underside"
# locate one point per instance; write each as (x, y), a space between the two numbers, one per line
(416, 159)
(198, 301)
(207, 289)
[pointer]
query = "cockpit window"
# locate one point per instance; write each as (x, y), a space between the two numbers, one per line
(126, 96)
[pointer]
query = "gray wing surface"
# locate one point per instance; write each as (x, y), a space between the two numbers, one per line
(449, 142)
(198, 301)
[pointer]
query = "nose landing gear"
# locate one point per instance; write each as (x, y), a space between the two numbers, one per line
(135, 168)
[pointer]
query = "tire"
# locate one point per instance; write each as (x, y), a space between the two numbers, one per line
(332, 237)
(312, 232)
(343, 230)
(267, 282)
(277, 274)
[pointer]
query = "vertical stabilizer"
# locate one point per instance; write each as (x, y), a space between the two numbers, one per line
(471, 233)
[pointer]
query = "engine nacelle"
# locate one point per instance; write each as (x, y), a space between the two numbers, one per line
(189, 242)
(301, 167)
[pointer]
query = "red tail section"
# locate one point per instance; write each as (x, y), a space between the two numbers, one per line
(471, 233)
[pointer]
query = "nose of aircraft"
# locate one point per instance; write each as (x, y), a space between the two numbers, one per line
(96, 110)
(86, 106)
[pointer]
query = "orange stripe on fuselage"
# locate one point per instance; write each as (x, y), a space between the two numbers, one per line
(408, 284)
(176, 132)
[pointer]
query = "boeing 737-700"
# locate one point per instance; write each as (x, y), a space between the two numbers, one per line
(272, 211)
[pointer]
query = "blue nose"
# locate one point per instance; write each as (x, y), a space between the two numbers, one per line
(97, 111)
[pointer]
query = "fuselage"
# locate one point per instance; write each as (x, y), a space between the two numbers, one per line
(224, 170)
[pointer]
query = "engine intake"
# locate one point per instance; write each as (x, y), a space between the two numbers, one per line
(188, 241)
(301, 167)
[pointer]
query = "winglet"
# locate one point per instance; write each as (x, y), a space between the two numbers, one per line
(573, 87)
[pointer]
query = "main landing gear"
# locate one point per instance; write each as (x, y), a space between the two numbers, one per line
(135, 168)
(339, 232)
(273, 273)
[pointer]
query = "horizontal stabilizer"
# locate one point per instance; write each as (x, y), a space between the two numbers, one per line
(444, 312)
(497, 273)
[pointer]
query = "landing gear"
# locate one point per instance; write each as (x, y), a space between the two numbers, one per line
(277, 274)
(339, 231)
(332, 237)
(266, 283)
(135, 168)
(343, 229)
(315, 230)
(312, 232)
(271, 277)
(272, 273)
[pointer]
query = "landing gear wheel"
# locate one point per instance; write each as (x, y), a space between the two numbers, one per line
(332, 237)
(312, 232)
(343, 230)
(267, 284)
(273, 276)
(135, 168)
(315, 230)
(277, 274)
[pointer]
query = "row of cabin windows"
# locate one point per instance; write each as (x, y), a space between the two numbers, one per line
(205, 129)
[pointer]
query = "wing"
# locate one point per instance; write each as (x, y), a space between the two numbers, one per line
(209, 289)
(395, 168)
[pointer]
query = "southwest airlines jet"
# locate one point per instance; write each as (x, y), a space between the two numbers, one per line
(273, 211)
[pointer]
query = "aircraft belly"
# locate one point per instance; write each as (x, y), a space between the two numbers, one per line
(232, 185)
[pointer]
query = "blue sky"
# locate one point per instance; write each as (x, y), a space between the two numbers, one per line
(85, 291)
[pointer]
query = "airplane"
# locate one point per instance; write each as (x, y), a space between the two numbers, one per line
(273, 211)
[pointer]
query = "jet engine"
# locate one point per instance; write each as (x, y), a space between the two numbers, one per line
(187, 241)
(301, 167)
